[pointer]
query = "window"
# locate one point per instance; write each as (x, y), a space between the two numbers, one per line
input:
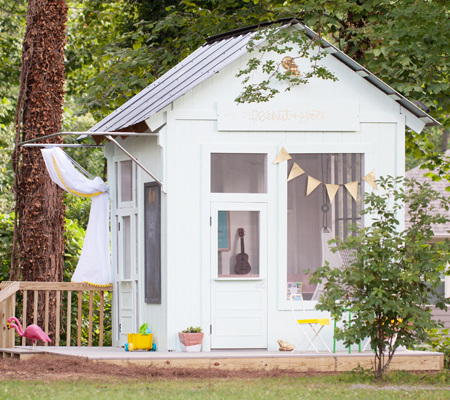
(125, 172)
(238, 244)
(238, 173)
(126, 183)
(310, 216)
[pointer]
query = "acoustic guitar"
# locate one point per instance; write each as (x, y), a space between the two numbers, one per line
(242, 266)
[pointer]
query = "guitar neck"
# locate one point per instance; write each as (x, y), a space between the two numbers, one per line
(242, 245)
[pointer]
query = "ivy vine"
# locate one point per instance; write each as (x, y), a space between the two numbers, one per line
(281, 41)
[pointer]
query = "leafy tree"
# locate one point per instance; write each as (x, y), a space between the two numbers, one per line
(121, 63)
(281, 42)
(12, 28)
(393, 273)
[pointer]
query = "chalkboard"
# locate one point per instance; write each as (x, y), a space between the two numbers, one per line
(152, 201)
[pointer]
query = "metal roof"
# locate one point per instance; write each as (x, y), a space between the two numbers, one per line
(214, 55)
(193, 70)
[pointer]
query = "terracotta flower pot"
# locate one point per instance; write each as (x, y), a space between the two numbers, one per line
(191, 341)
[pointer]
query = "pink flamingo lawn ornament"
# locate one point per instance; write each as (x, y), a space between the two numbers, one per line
(32, 332)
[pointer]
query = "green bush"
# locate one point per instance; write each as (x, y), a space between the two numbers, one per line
(6, 240)
(394, 273)
(439, 340)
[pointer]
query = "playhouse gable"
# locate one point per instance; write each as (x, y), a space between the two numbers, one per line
(215, 55)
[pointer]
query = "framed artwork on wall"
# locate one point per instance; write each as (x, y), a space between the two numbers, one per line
(223, 233)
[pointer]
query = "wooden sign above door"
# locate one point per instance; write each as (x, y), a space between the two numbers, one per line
(300, 116)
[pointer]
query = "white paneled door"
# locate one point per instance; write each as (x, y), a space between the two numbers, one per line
(125, 252)
(238, 276)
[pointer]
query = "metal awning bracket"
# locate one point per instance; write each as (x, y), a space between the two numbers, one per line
(109, 137)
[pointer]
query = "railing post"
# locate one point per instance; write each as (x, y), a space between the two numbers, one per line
(46, 315)
(24, 313)
(6, 337)
(35, 309)
(12, 307)
(69, 316)
(90, 318)
(100, 319)
(58, 320)
(80, 317)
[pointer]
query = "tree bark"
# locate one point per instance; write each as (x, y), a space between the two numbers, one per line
(39, 241)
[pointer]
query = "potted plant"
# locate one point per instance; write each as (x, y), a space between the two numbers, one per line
(191, 339)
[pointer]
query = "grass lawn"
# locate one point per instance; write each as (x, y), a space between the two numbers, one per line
(355, 385)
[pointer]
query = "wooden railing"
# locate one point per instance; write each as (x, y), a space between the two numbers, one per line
(8, 292)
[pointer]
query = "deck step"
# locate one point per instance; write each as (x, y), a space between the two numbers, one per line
(19, 354)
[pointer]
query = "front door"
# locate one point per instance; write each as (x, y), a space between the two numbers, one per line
(238, 276)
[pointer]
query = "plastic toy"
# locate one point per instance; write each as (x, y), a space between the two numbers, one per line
(140, 341)
(32, 332)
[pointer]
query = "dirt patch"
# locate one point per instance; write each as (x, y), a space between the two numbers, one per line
(60, 368)
(50, 368)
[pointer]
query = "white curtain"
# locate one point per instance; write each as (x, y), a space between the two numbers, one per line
(94, 263)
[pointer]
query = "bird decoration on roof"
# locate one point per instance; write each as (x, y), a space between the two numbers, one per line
(32, 332)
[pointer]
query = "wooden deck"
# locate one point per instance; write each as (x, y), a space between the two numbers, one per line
(236, 359)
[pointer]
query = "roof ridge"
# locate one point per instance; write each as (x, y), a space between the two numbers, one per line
(250, 28)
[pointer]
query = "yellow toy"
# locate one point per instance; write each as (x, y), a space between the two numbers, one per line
(140, 341)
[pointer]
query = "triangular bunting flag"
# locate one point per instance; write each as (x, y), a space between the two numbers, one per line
(295, 171)
(370, 179)
(352, 187)
(332, 190)
(312, 185)
(283, 155)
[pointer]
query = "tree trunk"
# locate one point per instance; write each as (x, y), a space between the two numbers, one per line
(39, 242)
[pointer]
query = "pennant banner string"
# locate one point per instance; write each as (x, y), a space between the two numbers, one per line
(296, 171)
(370, 179)
(312, 185)
(332, 190)
(283, 155)
(352, 187)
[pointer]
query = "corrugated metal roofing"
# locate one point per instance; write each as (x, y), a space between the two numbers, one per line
(215, 54)
(193, 70)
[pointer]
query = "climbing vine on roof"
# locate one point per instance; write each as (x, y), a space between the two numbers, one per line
(275, 63)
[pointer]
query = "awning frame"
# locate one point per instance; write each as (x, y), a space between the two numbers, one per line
(107, 135)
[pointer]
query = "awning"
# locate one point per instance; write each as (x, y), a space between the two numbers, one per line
(98, 137)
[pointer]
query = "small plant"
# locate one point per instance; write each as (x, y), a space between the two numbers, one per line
(439, 340)
(192, 330)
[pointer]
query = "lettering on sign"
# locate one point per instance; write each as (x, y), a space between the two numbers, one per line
(287, 117)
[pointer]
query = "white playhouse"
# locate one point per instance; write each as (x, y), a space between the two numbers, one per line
(218, 208)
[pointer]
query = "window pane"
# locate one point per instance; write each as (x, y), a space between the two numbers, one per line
(126, 247)
(126, 184)
(238, 173)
(313, 220)
(238, 244)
